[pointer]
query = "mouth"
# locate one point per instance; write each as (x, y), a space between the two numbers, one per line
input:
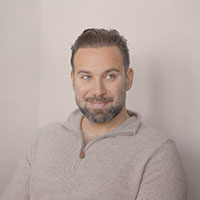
(98, 104)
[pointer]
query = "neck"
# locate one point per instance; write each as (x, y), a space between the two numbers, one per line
(92, 129)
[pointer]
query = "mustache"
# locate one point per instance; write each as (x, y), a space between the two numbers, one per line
(99, 99)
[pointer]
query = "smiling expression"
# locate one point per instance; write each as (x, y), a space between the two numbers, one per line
(100, 82)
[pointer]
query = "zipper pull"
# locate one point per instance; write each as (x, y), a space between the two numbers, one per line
(81, 153)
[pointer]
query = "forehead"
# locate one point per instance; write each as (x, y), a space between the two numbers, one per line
(101, 58)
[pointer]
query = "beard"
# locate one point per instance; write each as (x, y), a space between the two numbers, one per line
(101, 116)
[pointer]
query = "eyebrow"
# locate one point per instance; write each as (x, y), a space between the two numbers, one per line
(107, 71)
(83, 71)
(113, 69)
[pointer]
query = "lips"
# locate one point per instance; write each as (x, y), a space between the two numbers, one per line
(98, 104)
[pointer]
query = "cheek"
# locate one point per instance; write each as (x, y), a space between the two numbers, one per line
(115, 89)
(81, 90)
(117, 92)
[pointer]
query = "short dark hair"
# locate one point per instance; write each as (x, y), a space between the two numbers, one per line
(94, 37)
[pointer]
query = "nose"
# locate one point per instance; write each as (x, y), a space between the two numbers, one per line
(99, 88)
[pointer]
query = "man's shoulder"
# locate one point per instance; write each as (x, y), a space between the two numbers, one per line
(150, 132)
(151, 137)
(50, 131)
(49, 127)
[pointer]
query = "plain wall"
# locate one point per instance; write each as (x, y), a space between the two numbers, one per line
(19, 81)
(163, 38)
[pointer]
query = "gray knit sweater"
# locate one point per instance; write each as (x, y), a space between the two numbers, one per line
(133, 162)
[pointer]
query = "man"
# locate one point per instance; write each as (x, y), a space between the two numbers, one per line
(103, 151)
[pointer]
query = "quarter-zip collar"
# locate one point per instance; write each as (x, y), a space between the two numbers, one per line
(128, 127)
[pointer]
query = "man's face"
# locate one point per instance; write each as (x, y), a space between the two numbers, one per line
(100, 83)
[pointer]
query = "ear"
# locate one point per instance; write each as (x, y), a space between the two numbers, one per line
(72, 78)
(129, 78)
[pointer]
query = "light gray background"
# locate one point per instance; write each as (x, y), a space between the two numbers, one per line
(35, 86)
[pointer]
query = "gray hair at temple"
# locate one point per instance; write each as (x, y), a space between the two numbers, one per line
(100, 38)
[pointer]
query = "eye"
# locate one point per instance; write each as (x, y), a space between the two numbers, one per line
(85, 77)
(111, 76)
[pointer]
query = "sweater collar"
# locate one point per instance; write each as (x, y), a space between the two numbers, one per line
(129, 126)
